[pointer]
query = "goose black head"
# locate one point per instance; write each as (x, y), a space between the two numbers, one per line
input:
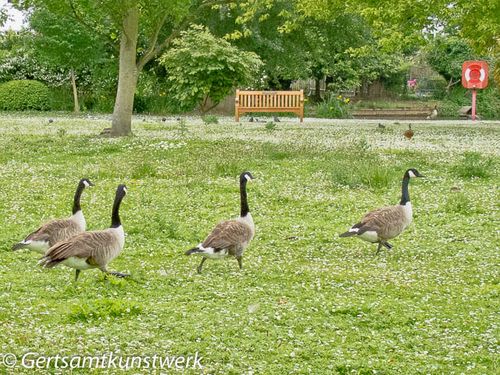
(121, 190)
(246, 176)
(86, 182)
(412, 172)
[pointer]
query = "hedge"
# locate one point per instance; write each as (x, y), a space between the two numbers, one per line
(24, 95)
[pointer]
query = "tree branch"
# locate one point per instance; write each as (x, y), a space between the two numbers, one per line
(150, 52)
(155, 49)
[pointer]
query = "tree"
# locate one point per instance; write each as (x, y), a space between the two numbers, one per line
(61, 42)
(146, 28)
(446, 54)
(201, 67)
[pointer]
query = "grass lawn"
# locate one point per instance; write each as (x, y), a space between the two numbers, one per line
(306, 302)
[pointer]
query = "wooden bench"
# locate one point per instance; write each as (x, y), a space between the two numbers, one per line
(269, 101)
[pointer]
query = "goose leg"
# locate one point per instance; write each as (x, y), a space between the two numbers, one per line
(387, 245)
(378, 249)
(201, 264)
(77, 273)
(240, 261)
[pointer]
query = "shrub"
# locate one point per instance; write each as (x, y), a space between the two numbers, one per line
(334, 107)
(488, 103)
(24, 95)
(202, 66)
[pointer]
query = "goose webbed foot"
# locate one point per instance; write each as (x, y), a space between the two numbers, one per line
(119, 274)
(386, 244)
(198, 269)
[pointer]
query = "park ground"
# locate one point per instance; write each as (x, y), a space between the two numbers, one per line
(306, 302)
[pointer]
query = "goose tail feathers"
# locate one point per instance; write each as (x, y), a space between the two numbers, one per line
(194, 250)
(348, 234)
(18, 246)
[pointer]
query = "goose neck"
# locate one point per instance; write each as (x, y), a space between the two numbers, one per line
(405, 195)
(115, 216)
(243, 198)
(76, 200)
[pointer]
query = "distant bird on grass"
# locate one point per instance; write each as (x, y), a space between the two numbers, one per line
(409, 132)
(57, 230)
(433, 115)
(94, 249)
(381, 225)
(229, 237)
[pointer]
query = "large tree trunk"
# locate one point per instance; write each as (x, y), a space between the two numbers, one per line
(317, 90)
(75, 92)
(127, 76)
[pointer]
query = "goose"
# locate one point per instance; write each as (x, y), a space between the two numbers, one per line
(409, 133)
(229, 237)
(385, 223)
(93, 249)
(433, 114)
(59, 229)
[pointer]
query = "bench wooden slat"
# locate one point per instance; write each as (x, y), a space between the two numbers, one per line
(269, 101)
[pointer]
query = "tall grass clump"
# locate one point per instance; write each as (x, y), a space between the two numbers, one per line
(473, 165)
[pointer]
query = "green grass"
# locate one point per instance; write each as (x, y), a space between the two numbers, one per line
(306, 300)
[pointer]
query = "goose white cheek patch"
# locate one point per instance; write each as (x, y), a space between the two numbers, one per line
(411, 174)
(86, 183)
(248, 177)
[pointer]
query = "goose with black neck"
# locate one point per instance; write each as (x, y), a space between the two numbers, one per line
(231, 237)
(93, 249)
(59, 229)
(385, 223)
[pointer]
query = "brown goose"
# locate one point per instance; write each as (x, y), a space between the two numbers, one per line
(385, 223)
(409, 132)
(91, 249)
(229, 237)
(57, 230)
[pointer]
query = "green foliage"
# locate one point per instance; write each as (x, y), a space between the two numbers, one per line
(334, 106)
(202, 67)
(458, 203)
(103, 309)
(473, 165)
(270, 126)
(24, 95)
(446, 54)
(488, 102)
(210, 119)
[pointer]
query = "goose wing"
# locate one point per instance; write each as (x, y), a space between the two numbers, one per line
(97, 247)
(228, 234)
(54, 231)
(388, 222)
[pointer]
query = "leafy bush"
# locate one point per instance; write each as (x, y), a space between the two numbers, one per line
(21, 95)
(488, 103)
(334, 107)
(201, 66)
